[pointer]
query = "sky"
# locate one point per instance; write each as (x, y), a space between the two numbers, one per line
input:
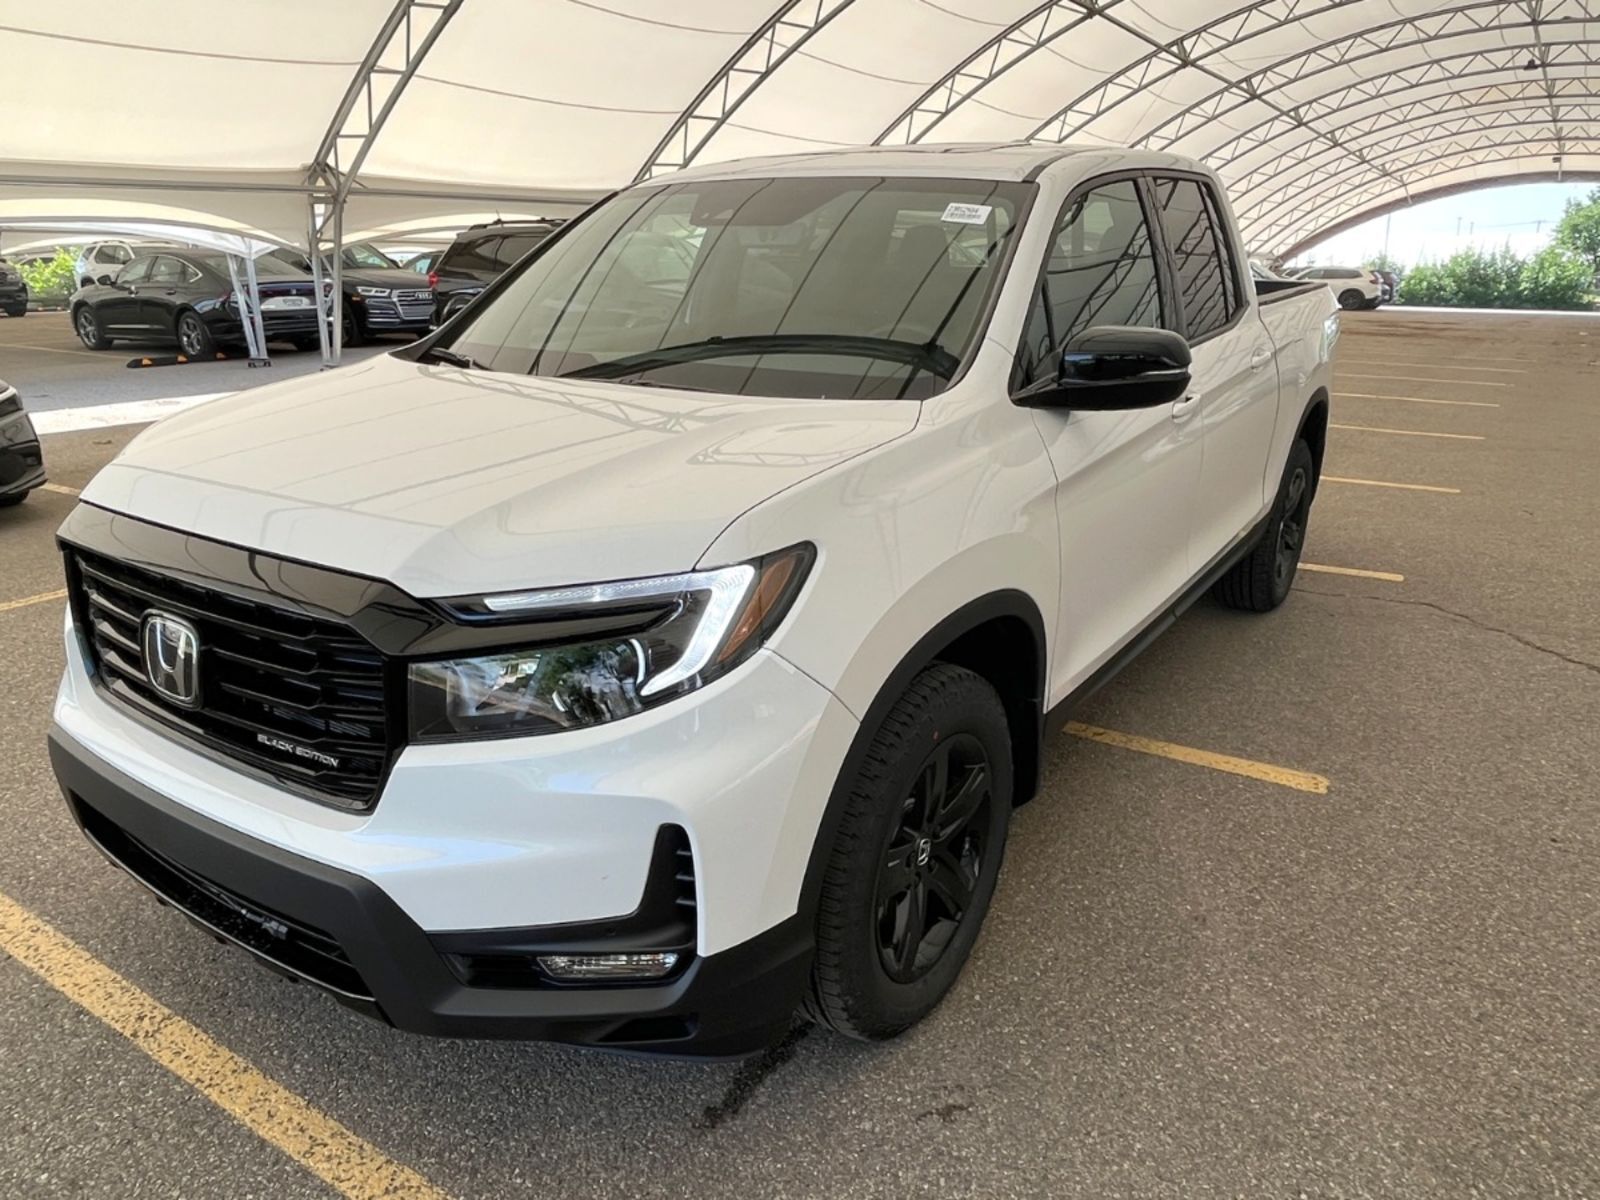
(1521, 214)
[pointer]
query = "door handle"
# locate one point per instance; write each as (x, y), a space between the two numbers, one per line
(133, 289)
(1260, 357)
(1183, 409)
(170, 292)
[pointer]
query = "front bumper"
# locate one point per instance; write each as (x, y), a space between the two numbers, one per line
(312, 921)
(21, 459)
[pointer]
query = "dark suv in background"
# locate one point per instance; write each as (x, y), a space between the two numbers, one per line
(478, 257)
(380, 296)
(13, 291)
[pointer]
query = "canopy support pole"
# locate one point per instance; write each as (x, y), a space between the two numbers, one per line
(324, 293)
(244, 298)
(260, 358)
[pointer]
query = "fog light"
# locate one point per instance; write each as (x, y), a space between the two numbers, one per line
(651, 965)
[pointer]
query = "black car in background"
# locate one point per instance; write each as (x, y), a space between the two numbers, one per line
(479, 256)
(380, 296)
(21, 460)
(13, 291)
(187, 296)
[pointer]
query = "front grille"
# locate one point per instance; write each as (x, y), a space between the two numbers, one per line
(280, 692)
(409, 305)
(299, 948)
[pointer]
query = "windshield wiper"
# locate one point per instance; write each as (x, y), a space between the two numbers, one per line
(929, 357)
(450, 358)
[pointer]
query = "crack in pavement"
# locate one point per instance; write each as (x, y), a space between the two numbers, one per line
(1460, 616)
(750, 1075)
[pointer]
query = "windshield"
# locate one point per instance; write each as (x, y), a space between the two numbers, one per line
(860, 287)
(362, 255)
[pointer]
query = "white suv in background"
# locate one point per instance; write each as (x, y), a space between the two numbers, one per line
(106, 259)
(651, 653)
(1353, 287)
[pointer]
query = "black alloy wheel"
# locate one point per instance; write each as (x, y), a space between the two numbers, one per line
(935, 859)
(89, 331)
(1292, 528)
(1351, 298)
(194, 339)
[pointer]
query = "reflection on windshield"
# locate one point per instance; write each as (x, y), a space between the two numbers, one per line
(836, 287)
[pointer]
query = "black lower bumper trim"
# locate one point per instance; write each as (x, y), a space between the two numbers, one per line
(296, 916)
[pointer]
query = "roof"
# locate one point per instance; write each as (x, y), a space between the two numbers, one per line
(444, 112)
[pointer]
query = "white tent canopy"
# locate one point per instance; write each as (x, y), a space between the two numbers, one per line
(1317, 112)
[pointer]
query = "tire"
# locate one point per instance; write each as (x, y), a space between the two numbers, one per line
(1350, 298)
(13, 501)
(88, 329)
(305, 344)
(1369, 304)
(20, 311)
(871, 980)
(194, 338)
(1260, 581)
(354, 334)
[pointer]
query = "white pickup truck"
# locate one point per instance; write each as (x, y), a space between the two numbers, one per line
(660, 647)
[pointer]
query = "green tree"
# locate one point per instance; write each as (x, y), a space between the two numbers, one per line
(1579, 229)
(1556, 278)
(1473, 278)
(50, 278)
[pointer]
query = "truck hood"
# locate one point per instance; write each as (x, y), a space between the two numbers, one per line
(449, 482)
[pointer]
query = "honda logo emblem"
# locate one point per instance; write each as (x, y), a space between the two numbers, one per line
(171, 650)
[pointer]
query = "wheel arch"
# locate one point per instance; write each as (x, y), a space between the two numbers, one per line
(1314, 430)
(1000, 636)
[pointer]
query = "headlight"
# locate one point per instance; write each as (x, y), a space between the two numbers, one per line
(366, 291)
(614, 649)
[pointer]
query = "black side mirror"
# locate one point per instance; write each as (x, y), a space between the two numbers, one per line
(106, 281)
(1115, 367)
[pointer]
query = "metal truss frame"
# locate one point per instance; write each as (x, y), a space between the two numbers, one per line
(1458, 121)
(402, 42)
(1314, 215)
(767, 49)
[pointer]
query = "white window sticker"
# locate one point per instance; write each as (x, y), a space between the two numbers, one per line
(967, 214)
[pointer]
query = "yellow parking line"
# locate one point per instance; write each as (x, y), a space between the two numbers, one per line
(1301, 781)
(1386, 576)
(1420, 379)
(1414, 399)
(348, 1164)
(42, 597)
(1409, 487)
(1459, 437)
(59, 487)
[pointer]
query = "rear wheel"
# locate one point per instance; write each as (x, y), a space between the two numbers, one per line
(89, 331)
(19, 310)
(194, 339)
(913, 865)
(1351, 298)
(13, 501)
(1259, 581)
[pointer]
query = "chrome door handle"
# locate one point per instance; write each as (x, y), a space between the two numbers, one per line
(1260, 358)
(1183, 409)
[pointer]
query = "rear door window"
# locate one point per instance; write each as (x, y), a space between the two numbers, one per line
(168, 270)
(138, 271)
(477, 257)
(1207, 290)
(514, 245)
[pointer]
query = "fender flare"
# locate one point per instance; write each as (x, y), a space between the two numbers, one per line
(1005, 604)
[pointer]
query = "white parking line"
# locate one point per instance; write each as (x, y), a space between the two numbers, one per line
(1385, 576)
(1414, 399)
(1368, 362)
(1409, 487)
(54, 350)
(132, 412)
(1459, 437)
(1421, 379)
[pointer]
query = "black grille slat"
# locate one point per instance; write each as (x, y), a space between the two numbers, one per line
(265, 671)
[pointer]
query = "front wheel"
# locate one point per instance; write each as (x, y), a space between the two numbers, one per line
(89, 331)
(353, 333)
(1259, 581)
(20, 310)
(913, 864)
